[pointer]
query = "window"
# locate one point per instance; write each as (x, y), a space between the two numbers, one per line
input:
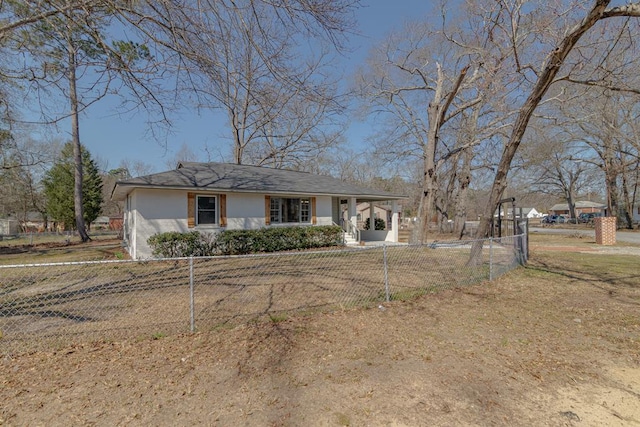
(289, 210)
(304, 210)
(274, 211)
(206, 210)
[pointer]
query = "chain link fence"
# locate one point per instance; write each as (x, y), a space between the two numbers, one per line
(48, 306)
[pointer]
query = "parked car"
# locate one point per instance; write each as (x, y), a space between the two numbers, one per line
(553, 219)
(586, 218)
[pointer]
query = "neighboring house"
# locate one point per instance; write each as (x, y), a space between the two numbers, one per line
(8, 227)
(115, 222)
(526, 212)
(581, 207)
(34, 221)
(100, 223)
(636, 214)
(530, 213)
(210, 197)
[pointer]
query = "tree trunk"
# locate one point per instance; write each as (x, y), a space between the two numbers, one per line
(77, 149)
(571, 205)
(627, 200)
(429, 181)
(470, 131)
(554, 61)
(238, 135)
(436, 112)
(610, 169)
(464, 179)
(634, 193)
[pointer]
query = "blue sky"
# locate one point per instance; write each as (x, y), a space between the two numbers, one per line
(111, 137)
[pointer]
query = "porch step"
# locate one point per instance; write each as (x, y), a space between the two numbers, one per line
(350, 241)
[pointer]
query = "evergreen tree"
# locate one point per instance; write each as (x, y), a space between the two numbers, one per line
(59, 187)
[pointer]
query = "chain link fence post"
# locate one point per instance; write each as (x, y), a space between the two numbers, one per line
(386, 274)
(191, 297)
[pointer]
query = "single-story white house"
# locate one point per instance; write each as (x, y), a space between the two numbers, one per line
(211, 197)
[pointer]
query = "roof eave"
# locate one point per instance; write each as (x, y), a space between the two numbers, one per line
(120, 192)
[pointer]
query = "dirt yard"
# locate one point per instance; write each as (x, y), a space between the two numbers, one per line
(553, 344)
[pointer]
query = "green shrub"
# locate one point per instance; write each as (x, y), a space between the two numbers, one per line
(174, 244)
(379, 224)
(274, 239)
(241, 242)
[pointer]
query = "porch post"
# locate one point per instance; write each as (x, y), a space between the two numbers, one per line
(372, 216)
(394, 221)
(352, 211)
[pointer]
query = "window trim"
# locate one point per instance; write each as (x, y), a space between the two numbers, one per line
(216, 210)
(220, 210)
(310, 212)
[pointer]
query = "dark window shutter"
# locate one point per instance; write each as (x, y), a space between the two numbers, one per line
(223, 210)
(267, 210)
(314, 220)
(191, 210)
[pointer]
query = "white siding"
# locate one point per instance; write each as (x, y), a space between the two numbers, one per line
(323, 210)
(131, 220)
(335, 210)
(154, 211)
(245, 211)
(376, 235)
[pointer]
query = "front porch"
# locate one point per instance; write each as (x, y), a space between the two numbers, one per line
(353, 217)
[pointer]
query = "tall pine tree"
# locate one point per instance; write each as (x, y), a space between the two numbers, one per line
(59, 188)
(69, 53)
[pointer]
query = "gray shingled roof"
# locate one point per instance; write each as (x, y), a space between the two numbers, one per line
(248, 179)
(579, 205)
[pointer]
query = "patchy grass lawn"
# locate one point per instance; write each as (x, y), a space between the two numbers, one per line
(554, 344)
(44, 305)
(58, 250)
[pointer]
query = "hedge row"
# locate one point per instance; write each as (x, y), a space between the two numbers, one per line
(174, 244)
(241, 242)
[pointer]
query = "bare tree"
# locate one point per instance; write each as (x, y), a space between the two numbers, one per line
(430, 81)
(562, 175)
(608, 126)
(68, 41)
(246, 57)
(302, 130)
(23, 165)
(184, 154)
(132, 168)
(462, 171)
(544, 77)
